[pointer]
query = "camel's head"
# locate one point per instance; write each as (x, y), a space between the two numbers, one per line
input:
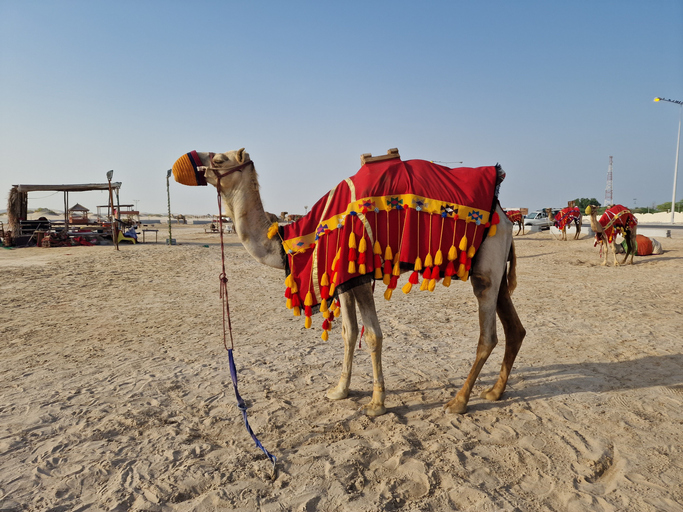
(590, 209)
(195, 168)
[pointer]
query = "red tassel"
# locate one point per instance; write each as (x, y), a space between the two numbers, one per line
(393, 282)
(308, 311)
(353, 254)
(387, 267)
(427, 274)
(325, 292)
(463, 256)
(495, 219)
(414, 278)
(435, 273)
(295, 301)
(450, 269)
(326, 325)
(288, 293)
(361, 258)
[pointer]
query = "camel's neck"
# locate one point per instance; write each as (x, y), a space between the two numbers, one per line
(244, 206)
(595, 225)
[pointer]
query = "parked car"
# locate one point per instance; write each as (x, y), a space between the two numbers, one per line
(539, 219)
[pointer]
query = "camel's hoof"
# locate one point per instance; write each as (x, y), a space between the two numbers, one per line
(455, 407)
(373, 409)
(337, 394)
(491, 394)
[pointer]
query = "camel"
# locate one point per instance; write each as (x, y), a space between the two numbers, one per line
(517, 218)
(617, 219)
(234, 174)
(565, 217)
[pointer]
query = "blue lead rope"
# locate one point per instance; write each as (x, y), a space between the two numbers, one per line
(243, 407)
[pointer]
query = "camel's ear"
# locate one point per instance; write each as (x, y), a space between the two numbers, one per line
(240, 155)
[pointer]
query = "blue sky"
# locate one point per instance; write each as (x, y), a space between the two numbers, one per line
(548, 89)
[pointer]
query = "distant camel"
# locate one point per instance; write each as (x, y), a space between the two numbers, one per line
(233, 173)
(517, 218)
(617, 219)
(565, 217)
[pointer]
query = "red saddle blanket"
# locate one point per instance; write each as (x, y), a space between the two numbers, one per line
(514, 215)
(392, 215)
(567, 215)
(617, 219)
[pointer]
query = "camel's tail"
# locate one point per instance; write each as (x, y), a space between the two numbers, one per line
(512, 270)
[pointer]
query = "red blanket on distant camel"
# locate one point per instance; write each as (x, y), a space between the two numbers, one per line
(567, 215)
(617, 219)
(514, 215)
(390, 216)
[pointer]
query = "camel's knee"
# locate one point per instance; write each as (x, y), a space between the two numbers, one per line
(373, 342)
(481, 284)
(349, 332)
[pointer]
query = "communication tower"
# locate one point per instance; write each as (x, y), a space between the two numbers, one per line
(608, 189)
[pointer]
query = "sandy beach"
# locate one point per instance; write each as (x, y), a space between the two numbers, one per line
(116, 392)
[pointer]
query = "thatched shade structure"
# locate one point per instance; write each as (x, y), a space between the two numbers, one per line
(17, 203)
(78, 214)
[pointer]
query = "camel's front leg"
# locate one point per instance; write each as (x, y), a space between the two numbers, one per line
(373, 342)
(486, 294)
(350, 334)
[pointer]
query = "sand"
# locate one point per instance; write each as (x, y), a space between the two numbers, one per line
(116, 394)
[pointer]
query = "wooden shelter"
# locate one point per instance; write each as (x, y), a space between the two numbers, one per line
(17, 206)
(78, 214)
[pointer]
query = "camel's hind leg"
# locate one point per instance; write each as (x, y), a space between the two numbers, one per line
(514, 335)
(631, 247)
(373, 344)
(350, 334)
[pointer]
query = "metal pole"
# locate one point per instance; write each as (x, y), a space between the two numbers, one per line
(168, 195)
(112, 219)
(678, 146)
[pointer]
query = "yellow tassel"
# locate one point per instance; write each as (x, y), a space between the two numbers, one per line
(428, 261)
(452, 253)
(323, 305)
(418, 264)
(461, 270)
(352, 267)
(325, 280)
(377, 249)
(289, 281)
(447, 281)
(438, 259)
(432, 285)
(464, 276)
(378, 273)
(386, 279)
(332, 287)
(424, 285)
(297, 311)
(407, 287)
(397, 268)
(362, 269)
(387, 293)
(308, 301)
(272, 230)
(289, 303)
(493, 229)
(326, 314)
(337, 312)
(308, 322)
(470, 252)
(336, 257)
(388, 255)
(324, 336)
(352, 240)
(463, 243)
(294, 287)
(363, 245)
